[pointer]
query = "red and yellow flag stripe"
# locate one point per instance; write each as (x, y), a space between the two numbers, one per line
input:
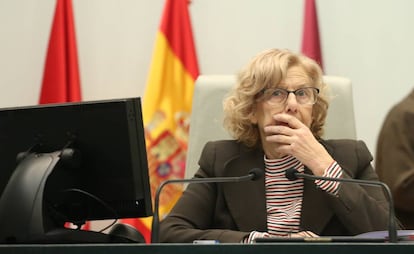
(167, 104)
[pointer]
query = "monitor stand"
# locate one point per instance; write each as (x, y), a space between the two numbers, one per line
(21, 204)
(23, 219)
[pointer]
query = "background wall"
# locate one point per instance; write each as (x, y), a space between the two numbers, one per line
(368, 41)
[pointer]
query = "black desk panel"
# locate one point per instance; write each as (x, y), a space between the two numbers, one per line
(279, 248)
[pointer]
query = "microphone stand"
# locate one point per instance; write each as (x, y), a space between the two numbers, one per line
(254, 174)
(392, 227)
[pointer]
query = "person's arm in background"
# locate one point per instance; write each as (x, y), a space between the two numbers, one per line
(404, 162)
(395, 158)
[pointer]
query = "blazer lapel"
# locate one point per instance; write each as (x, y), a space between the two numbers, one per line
(316, 212)
(246, 200)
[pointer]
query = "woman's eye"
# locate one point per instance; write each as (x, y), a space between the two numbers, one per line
(277, 93)
(301, 93)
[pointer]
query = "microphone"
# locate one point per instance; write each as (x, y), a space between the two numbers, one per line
(253, 175)
(293, 174)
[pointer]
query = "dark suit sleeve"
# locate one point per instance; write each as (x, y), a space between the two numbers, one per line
(194, 216)
(360, 208)
(395, 157)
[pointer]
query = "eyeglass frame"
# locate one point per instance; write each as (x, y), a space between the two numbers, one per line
(263, 94)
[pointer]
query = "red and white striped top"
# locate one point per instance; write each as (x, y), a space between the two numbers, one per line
(284, 197)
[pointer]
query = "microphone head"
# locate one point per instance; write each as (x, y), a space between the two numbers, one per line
(256, 173)
(291, 174)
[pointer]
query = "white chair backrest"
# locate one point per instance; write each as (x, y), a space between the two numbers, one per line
(340, 121)
(206, 122)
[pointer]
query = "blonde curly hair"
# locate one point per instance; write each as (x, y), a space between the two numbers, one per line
(264, 70)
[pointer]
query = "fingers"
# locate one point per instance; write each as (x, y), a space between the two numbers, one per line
(304, 234)
(278, 129)
(290, 120)
(290, 136)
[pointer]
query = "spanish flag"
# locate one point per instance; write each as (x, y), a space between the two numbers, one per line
(167, 105)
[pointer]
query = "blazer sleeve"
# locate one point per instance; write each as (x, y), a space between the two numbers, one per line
(361, 208)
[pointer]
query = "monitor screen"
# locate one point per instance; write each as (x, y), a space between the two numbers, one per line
(84, 161)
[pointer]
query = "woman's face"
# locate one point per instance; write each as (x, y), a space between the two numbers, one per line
(296, 78)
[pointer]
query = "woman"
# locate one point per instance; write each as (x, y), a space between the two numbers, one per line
(276, 114)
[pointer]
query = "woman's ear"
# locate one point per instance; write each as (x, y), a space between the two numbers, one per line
(252, 115)
(253, 118)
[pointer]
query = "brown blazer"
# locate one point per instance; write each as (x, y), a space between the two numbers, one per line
(228, 212)
(394, 160)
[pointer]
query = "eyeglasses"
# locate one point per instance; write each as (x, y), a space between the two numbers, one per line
(278, 96)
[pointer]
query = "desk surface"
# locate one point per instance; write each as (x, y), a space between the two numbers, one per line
(280, 248)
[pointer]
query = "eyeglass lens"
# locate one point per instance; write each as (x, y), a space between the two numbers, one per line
(307, 95)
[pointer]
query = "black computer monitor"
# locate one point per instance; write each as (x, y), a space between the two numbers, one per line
(71, 162)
